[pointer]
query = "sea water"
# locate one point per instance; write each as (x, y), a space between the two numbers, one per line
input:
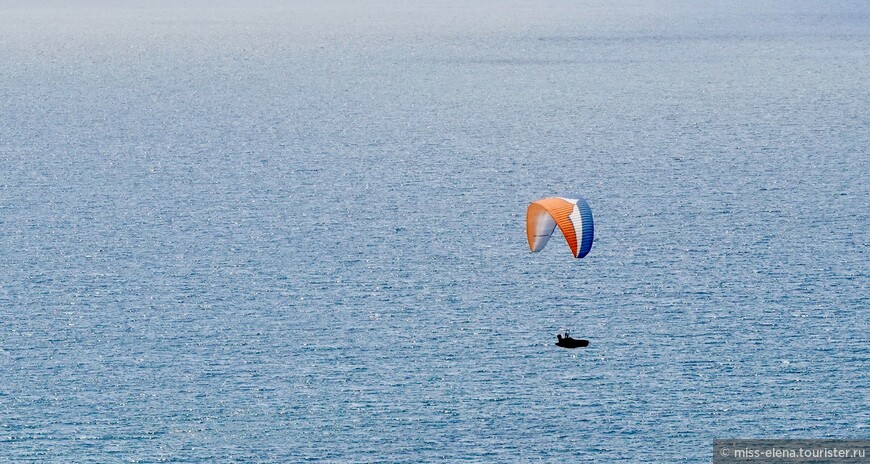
(294, 231)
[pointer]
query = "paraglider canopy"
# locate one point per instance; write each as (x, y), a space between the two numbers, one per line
(571, 214)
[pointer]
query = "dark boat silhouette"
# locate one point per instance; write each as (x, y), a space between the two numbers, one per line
(568, 342)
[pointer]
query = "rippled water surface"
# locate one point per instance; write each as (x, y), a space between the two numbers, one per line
(294, 231)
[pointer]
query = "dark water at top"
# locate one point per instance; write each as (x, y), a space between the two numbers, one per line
(295, 231)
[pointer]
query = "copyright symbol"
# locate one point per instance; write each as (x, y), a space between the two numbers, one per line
(724, 452)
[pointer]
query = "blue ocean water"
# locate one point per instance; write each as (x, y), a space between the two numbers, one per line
(294, 231)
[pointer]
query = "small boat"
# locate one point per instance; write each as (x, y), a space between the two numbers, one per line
(568, 342)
